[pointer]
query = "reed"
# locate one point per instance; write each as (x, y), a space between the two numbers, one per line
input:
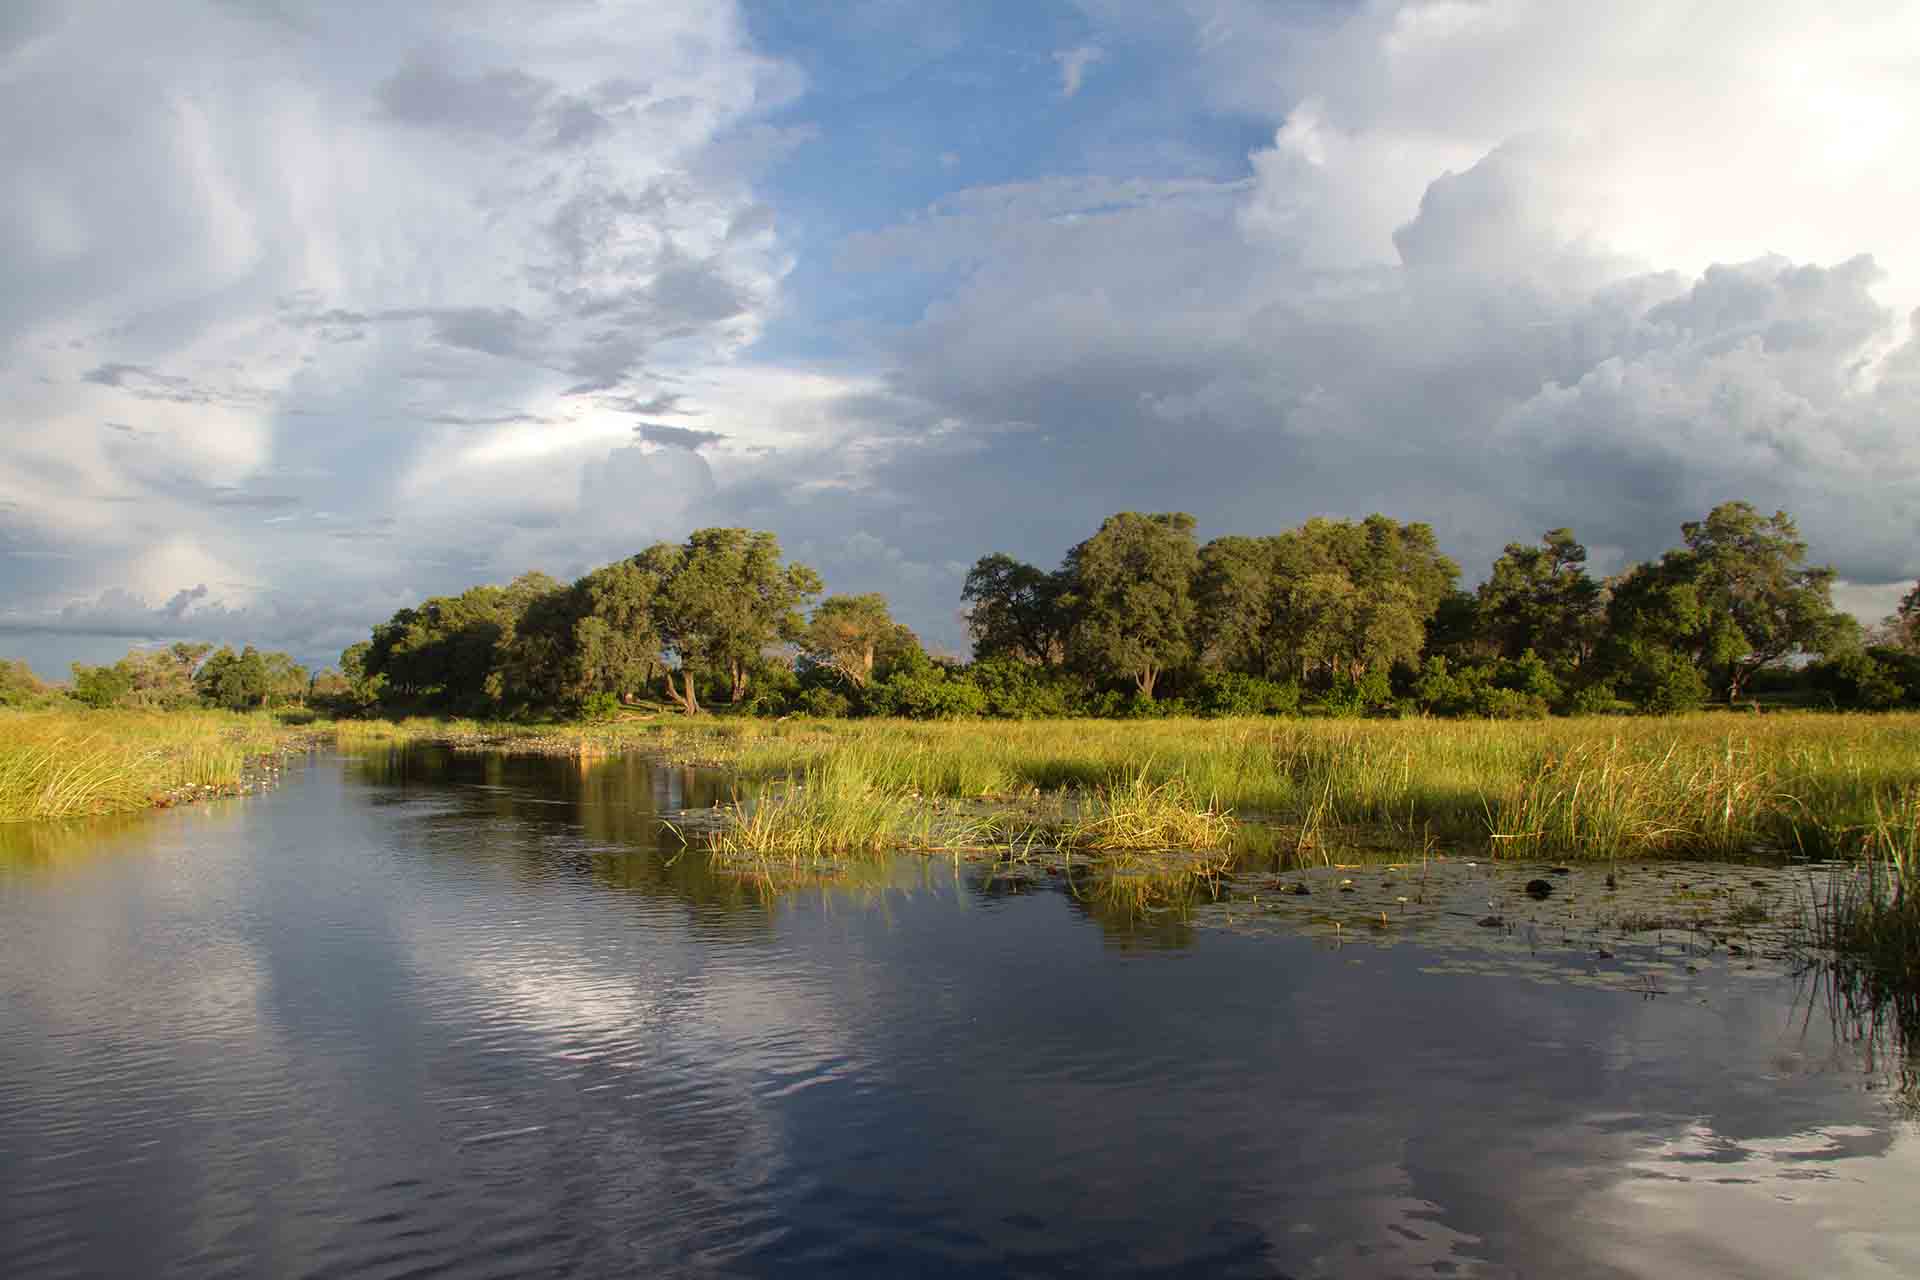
(1709, 784)
(1870, 913)
(1137, 813)
(67, 764)
(836, 808)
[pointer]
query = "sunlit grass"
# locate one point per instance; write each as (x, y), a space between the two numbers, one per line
(1710, 784)
(65, 764)
(1137, 813)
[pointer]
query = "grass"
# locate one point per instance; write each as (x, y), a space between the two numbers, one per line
(1140, 814)
(833, 808)
(1704, 785)
(1870, 915)
(68, 764)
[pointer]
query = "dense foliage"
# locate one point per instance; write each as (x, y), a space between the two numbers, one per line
(1334, 617)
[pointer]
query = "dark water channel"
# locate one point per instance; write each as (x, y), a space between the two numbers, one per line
(463, 1016)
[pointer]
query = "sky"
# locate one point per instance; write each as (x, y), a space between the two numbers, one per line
(316, 309)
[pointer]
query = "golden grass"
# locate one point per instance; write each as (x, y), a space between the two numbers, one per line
(1139, 814)
(1708, 784)
(66, 764)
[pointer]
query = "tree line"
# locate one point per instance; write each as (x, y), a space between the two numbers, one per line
(173, 678)
(1334, 616)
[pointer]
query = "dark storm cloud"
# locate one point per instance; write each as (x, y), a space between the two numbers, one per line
(678, 437)
(665, 402)
(1091, 375)
(493, 331)
(488, 420)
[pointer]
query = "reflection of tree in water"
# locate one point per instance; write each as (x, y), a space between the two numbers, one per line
(597, 819)
(1879, 1017)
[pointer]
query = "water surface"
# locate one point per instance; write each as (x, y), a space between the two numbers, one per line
(466, 1016)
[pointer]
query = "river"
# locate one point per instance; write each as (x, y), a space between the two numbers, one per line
(431, 1014)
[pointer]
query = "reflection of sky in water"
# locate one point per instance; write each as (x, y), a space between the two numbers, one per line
(417, 1014)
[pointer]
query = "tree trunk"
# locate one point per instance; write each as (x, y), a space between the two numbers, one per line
(1145, 679)
(739, 673)
(686, 697)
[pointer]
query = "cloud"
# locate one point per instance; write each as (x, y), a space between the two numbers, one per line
(528, 287)
(1074, 64)
(354, 271)
(678, 437)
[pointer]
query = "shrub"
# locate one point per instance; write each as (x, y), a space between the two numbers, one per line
(1858, 680)
(822, 701)
(1233, 693)
(922, 689)
(1021, 691)
(599, 707)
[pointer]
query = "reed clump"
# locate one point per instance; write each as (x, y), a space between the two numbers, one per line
(1139, 814)
(1870, 913)
(835, 808)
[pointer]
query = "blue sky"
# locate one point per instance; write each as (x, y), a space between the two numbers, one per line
(305, 325)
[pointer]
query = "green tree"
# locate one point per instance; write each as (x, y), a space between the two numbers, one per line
(1016, 611)
(1233, 600)
(723, 597)
(1132, 593)
(1352, 599)
(1539, 599)
(102, 686)
(237, 682)
(441, 655)
(1735, 600)
(286, 680)
(19, 687)
(855, 637)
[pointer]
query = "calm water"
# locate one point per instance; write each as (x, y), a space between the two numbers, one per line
(462, 1016)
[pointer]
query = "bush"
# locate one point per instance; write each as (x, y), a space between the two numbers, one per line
(1592, 700)
(1232, 693)
(1348, 698)
(100, 687)
(19, 687)
(599, 707)
(1502, 689)
(1021, 691)
(1674, 685)
(923, 689)
(819, 700)
(1858, 681)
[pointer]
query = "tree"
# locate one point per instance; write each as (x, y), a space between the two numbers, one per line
(1349, 599)
(1132, 593)
(286, 680)
(100, 687)
(237, 682)
(1016, 611)
(722, 598)
(1733, 601)
(19, 687)
(1540, 598)
(855, 637)
(1901, 628)
(1233, 599)
(443, 653)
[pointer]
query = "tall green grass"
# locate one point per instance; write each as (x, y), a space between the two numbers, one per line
(66, 764)
(1870, 915)
(1710, 784)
